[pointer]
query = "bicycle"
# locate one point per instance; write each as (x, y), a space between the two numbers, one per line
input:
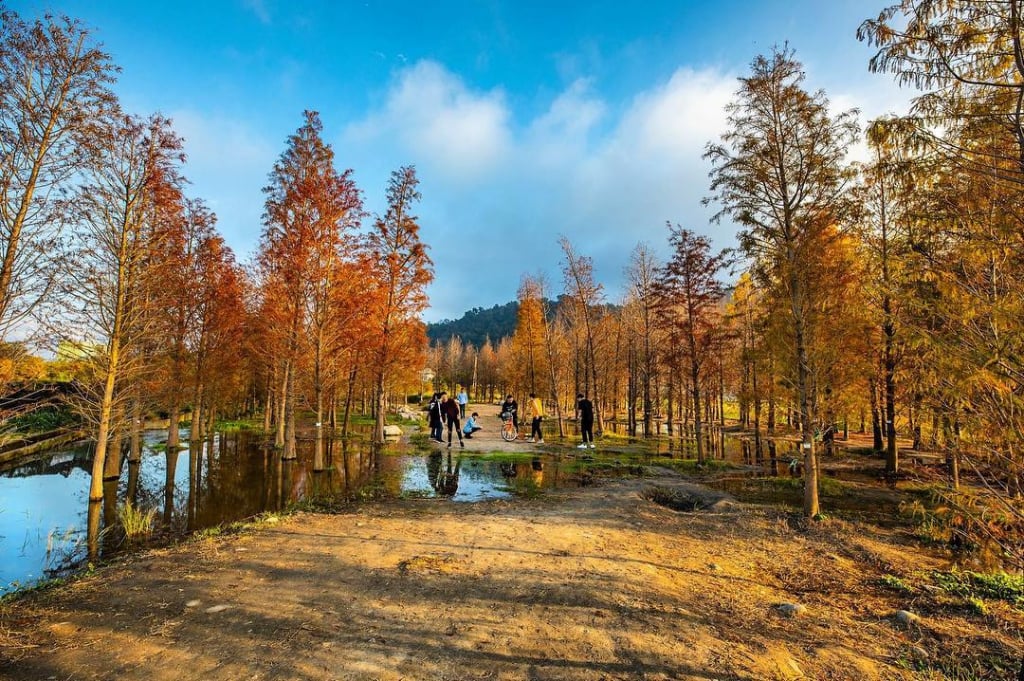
(509, 432)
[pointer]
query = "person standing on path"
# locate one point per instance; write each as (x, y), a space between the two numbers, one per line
(434, 417)
(450, 411)
(585, 413)
(537, 411)
(463, 399)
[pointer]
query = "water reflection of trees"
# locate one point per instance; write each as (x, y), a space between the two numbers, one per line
(227, 476)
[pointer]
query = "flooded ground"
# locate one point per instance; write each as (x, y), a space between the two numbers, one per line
(231, 477)
(235, 475)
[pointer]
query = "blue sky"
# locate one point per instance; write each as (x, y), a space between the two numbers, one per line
(526, 120)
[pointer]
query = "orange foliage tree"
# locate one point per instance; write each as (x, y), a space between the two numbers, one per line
(397, 293)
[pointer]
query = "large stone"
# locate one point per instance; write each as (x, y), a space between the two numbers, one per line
(392, 431)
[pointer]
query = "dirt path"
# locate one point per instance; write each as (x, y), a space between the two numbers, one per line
(489, 439)
(598, 583)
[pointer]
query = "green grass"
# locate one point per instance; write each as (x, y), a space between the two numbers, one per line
(369, 420)
(827, 487)
(896, 584)
(42, 420)
(975, 586)
(691, 465)
(239, 424)
(421, 441)
(955, 667)
(136, 523)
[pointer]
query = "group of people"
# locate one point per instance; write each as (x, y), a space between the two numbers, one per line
(444, 410)
(584, 412)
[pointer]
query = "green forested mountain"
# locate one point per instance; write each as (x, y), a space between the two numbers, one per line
(495, 323)
(477, 324)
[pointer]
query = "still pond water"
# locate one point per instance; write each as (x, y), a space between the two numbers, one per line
(43, 502)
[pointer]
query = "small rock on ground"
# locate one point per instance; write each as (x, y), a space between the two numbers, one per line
(906, 618)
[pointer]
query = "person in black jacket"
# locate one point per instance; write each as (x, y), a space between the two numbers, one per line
(585, 412)
(511, 407)
(434, 418)
(450, 412)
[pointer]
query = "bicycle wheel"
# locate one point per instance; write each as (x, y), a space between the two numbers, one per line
(508, 432)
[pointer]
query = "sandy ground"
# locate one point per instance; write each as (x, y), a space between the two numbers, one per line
(595, 583)
(489, 439)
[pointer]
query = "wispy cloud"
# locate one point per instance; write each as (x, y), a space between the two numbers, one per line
(260, 9)
(232, 160)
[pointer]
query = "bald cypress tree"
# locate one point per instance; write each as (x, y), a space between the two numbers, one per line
(779, 172)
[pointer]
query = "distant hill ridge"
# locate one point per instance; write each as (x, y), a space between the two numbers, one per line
(477, 325)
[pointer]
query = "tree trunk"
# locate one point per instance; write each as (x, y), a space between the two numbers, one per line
(811, 502)
(289, 419)
(280, 409)
(349, 396)
(695, 396)
(173, 420)
(757, 414)
(268, 405)
(892, 464)
(102, 435)
(876, 422)
(670, 394)
(197, 413)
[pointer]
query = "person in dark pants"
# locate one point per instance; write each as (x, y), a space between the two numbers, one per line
(537, 411)
(450, 412)
(585, 413)
(434, 418)
(510, 406)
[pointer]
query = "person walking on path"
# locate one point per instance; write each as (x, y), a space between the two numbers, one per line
(463, 399)
(585, 413)
(450, 411)
(434, 418)
(537, 411)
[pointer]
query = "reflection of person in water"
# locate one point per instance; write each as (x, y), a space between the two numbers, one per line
(532, 474)
(444, 479)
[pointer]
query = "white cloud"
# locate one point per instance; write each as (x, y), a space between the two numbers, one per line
(682, 115)
(880, 96)
(498, 191)
(442, 124)
(649, 168)
(567, 124)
